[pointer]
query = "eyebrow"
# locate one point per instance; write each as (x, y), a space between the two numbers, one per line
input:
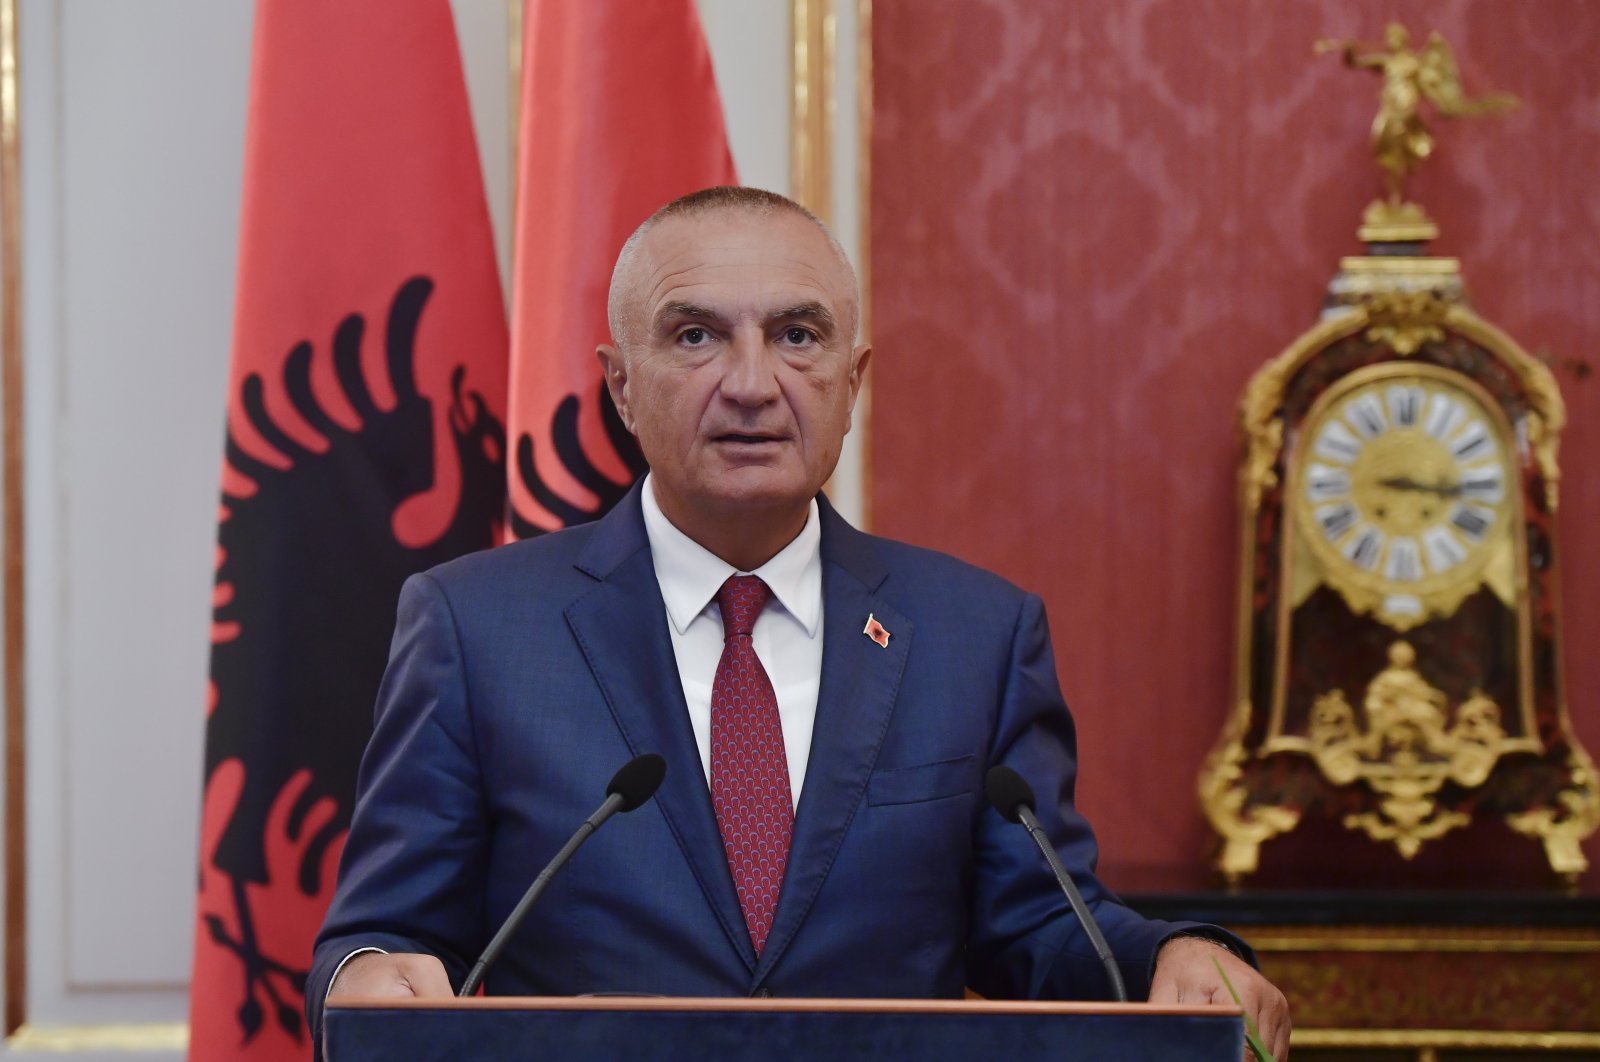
(684, 309)
(674, 312)
(810, 311)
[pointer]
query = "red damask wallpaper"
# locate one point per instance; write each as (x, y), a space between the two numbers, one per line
(1090, 222)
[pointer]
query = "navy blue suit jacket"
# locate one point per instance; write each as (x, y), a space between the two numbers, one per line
(521, 678)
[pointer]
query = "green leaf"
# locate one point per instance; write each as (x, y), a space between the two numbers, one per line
(1252, 1035)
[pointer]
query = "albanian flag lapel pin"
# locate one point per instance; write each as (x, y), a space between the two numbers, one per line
(876, 631)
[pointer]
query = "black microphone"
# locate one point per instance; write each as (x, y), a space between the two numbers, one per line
(1011, 795)
(635, 783)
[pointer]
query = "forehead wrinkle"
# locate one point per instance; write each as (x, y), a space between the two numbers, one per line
(655, 278)
(768, 299)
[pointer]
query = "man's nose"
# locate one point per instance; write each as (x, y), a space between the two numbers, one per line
(749, 377)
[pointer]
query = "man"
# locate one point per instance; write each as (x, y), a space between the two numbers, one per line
(827, 703)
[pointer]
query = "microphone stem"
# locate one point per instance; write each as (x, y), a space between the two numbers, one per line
(1075, 898)
(514, 920)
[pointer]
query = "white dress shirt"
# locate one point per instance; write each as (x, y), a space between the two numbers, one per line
(787, 635)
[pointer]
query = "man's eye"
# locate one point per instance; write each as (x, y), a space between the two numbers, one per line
(798, 336)
(693, 336)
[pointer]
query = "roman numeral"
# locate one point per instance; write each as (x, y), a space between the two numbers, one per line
(1404, 563)
(1482, 484)
(1365, 548)
(1325, 484)
(1405, 404)
(1336, 520)
(1443, 416)
(1473, 443)
(1473, 522)
(1366, 416)
(1442, 549)
(1337, 443)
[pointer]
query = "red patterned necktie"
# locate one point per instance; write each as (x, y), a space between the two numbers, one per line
(749, 771)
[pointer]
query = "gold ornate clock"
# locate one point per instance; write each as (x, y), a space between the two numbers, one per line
(1398, 668)
(1401, 491)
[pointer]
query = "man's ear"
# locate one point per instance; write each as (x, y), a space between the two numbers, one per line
(615, 371)
(858, 371)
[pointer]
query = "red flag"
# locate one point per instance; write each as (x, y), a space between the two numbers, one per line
(619, 115)
(365, 442)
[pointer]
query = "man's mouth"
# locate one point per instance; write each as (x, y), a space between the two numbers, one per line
(742, 438)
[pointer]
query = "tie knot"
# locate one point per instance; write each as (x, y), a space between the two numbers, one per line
(741, 600)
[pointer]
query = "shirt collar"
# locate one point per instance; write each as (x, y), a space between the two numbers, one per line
(690, 575)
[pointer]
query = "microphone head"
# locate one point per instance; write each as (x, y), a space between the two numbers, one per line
(638, 780)
(1008, 791)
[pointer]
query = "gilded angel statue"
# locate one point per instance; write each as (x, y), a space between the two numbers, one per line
(1400, 138)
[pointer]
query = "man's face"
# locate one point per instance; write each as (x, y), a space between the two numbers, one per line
(737, 372)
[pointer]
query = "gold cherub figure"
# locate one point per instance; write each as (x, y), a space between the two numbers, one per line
(1400, 138)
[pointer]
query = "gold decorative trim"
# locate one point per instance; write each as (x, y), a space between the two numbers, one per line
(1405, 320)
(1409, 941)
(812, 125)
(1394, 222)
(1258, 409)
(1563, 834)
(1265, 390)
(1401, 266)
(1222, 798)
(16, 910)
(1398, 233)
(1365, 946)
(812, 106)
(1549, 414)
(62, 1039)
(864, 239)
(1458, 1039)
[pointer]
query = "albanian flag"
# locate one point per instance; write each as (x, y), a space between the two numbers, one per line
(620, 115)
(365, 442)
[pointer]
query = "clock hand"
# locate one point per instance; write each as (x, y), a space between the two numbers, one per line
(1443, 490)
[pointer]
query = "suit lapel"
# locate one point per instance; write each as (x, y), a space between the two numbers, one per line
(860, 680)
(621, 626)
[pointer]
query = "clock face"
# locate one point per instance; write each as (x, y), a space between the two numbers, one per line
(1404, 489)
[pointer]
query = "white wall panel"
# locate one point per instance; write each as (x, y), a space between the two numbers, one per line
(39, 107)
(483, 26)
(133, 140)
(151, 155)
(751, 55)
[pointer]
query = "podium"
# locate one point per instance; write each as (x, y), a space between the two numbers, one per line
(645, 1029)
